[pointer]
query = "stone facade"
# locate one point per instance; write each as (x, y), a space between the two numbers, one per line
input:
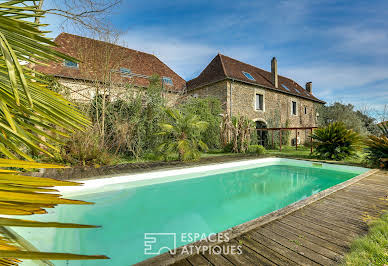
(84, 91)
(239, 99)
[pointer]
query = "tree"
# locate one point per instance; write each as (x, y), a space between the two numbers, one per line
(30, 111)
(183, 135)
(89, 14)
(345, 113)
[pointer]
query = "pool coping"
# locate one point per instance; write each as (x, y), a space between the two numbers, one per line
(168, 258)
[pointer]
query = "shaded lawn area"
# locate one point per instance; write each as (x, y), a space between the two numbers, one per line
(371, 249)
(303, 152)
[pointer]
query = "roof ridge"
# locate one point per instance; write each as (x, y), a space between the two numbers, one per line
(222, 64)
(261, 69)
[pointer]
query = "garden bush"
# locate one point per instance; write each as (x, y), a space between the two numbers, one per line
(256, 149)
(208, 110)
(336, 142)
(377, 151)
(183, 136)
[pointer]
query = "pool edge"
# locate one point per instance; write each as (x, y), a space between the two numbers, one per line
(233, 232)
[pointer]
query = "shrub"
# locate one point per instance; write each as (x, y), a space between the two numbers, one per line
(237, 131)
(183, 136)
(256, 149)
(85, 148)
(378, 148)
(207, 109)
(336, 142)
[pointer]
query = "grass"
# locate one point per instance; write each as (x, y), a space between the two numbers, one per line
(371, 249)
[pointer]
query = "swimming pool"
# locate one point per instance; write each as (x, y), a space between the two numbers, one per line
(203, 200)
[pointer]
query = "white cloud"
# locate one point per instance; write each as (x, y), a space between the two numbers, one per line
(362, 40)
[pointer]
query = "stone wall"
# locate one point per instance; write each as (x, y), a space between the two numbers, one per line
(84, 91)
(240, 100)
(217, 90)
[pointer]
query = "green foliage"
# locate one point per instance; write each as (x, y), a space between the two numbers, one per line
(356, 120)
(32, 118)
(207, 109)
(183, 135)
(256, 149)
(336, 142)
(378, 147)
(383, 126)
(371, 249)
(85, 148)
(236, 132)
(131, 122)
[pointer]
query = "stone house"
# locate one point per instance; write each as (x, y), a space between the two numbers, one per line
(108, 68)
(265, 97)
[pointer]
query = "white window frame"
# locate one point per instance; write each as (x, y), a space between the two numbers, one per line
(260, 92)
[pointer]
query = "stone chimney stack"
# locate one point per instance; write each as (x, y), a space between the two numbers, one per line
(274, 70)
(309, 86)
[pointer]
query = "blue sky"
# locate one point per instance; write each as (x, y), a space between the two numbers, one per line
(341, 46)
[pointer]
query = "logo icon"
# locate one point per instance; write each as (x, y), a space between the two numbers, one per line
(157, 243)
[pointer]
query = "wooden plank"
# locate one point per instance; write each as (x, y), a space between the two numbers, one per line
(344, 205)
(253, 256)
(198, 260)
(217, 259)
(312, 230)
(346, 239)
(333, 225)
(295, 246)
(354, 204)
(335, 257)
(266, 252)
(284, 251)
(183, 262)
(328, 218)
(340, 250)
(362, 200)
(246, 258)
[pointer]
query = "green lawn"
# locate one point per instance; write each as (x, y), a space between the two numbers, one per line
(303, 152)
(371, 249)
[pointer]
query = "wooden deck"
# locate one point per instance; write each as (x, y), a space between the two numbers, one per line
(318, 234)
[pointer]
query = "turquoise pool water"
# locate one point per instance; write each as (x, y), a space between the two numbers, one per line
(208, 204)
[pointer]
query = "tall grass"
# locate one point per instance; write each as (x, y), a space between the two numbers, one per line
(371, 249)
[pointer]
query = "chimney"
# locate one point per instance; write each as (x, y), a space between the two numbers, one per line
(274, 70)
(309, 86)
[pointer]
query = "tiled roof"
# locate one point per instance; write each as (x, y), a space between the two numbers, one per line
(224, 67)
(97, 58)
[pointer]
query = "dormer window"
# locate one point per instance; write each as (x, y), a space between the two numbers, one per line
(248, 75)
(69, 63)
(167, 81)
(125, 71)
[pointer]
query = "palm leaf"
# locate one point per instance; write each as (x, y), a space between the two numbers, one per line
(31, 116)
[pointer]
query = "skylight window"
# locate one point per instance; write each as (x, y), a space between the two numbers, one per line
(300, 92)
(167, 80)
(249, 76)
(284, 86)
(125, 71)
(72, 64)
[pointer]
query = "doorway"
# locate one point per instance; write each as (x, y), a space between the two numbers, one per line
(262, 135)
